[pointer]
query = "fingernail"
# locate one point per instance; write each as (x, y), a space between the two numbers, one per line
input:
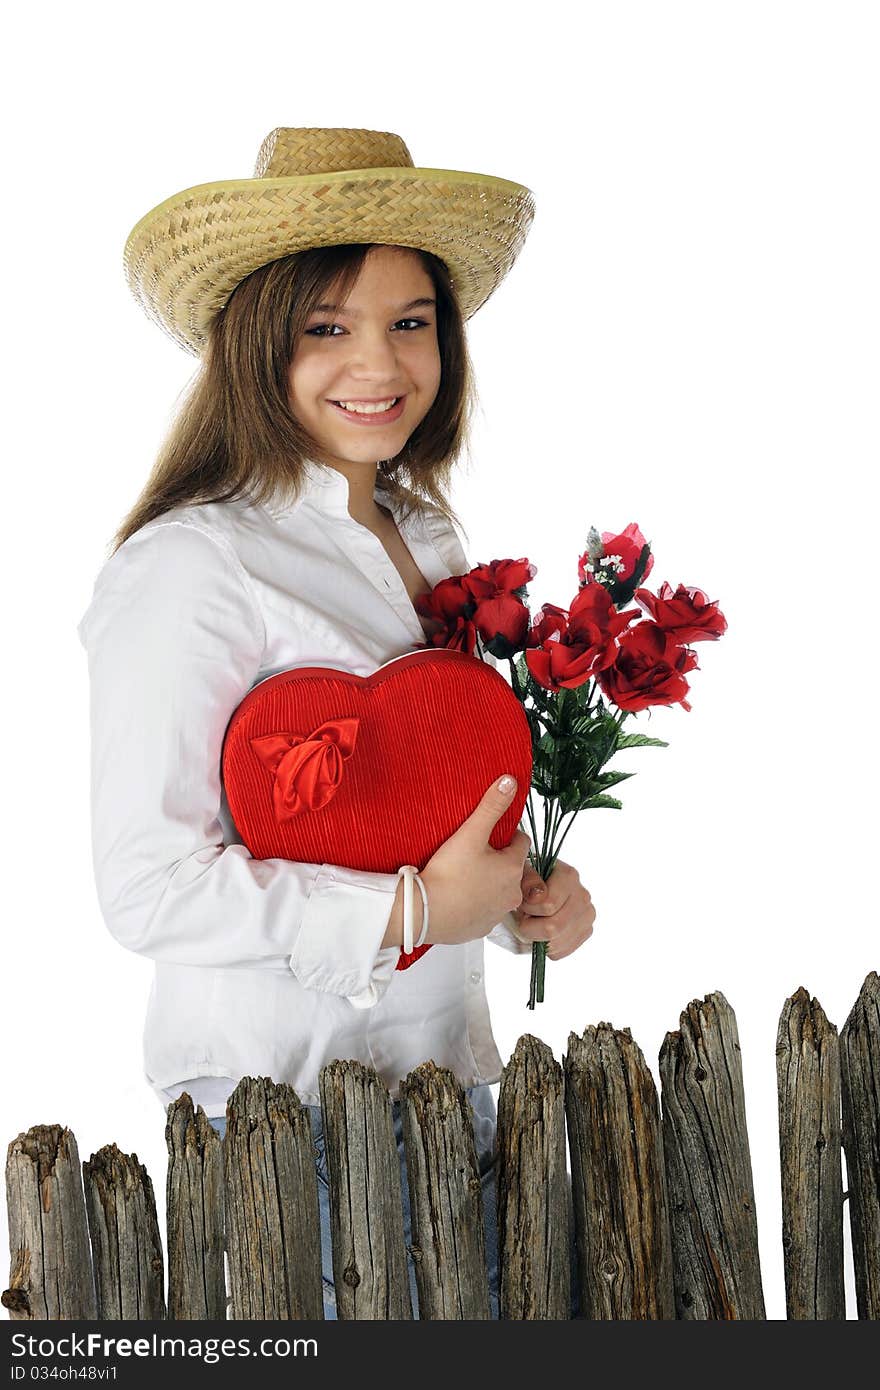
(537, 890)
(507, 784)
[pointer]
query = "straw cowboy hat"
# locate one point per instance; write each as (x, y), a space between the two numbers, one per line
(319, 188)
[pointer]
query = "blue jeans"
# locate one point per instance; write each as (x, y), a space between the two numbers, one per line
(483, 1105)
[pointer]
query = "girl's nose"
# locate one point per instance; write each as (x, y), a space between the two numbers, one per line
(373, 354)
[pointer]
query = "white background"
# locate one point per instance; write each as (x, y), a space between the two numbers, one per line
(689, 340)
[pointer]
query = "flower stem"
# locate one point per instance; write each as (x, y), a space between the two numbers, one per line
(551, 821)
(560, 841)
(536, 987)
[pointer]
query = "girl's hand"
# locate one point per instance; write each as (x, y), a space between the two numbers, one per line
(470, 885)
(560, 911)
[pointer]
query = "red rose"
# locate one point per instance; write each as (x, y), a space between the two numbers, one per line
(621, 554)
(449, 607)
(447, 601)
(498, 577)
(649, 669)
(500, 612)
(564, 655)
(505, 616)
(548, 666)
(461, 636)
(687, 613)
(593, 619)
(552, 659)
(552, 621)
(561, 664)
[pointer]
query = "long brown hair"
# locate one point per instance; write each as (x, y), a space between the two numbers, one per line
(235, 436)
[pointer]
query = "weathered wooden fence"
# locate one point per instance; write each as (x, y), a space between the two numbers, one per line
(663, 1205)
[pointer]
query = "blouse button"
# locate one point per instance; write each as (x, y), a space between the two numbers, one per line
(475, 977)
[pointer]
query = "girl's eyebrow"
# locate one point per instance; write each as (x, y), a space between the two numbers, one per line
(356, 313)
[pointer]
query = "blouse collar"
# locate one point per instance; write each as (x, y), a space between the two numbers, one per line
(326, 489)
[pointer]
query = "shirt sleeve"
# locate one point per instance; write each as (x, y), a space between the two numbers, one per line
(175, 638)
(506, 935)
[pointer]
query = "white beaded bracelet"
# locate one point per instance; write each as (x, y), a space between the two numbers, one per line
(408, 872)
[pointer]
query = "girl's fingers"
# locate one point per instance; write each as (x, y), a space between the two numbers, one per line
(558, 950)
(562, 915)
(552, 894)
(573, 927)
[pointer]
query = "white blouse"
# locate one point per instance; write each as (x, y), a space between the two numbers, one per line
(262, 967)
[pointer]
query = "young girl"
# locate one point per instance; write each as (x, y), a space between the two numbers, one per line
(296, 510)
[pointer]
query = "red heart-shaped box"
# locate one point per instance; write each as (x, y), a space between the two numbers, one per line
(372, 772)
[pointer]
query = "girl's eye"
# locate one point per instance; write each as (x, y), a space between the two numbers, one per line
(326, 330)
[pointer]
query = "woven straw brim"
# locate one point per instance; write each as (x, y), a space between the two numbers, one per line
(185, 257)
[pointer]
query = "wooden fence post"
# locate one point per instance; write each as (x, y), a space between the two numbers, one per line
(709, 1171)
(126, 1245)
(618, 1179)
(533, 1203)
(446, 1199)
(664, 1207)
(808, 1084)
(51, 1274)
(273, 1233)
(195, 1216)
(860, 1078)
(370, 1272)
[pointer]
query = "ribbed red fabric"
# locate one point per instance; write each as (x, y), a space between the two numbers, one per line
(433, 729)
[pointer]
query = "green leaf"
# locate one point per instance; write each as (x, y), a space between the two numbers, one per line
(582, 725)
(610, 801)
(582, 693)
(534, 719)
(542, 770)
(543, 765)
(640, 741)
(595, 726)
(610, 779)
(543, 699)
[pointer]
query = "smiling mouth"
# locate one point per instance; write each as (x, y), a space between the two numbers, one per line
(365, 407)
(374, 414)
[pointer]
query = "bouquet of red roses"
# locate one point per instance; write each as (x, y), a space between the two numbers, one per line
(578, 671)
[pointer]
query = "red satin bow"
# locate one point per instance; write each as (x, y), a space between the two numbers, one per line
(307, 767)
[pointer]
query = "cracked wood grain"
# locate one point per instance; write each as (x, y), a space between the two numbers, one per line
(273, 1232)
(51, 1265)
(714, 1226)
(808, 1088)
(124, 1230)
(618, 1178)
(370, 1272)
(532, 1195)
(195, 1211)
(860, 1094)
(446, 1199)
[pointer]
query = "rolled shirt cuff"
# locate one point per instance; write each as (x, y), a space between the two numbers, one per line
(506, 935)
(338, 948)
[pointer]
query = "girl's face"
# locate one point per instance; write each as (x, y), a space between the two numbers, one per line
(377, 354)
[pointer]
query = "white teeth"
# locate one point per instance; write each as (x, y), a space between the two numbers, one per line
(369, 408)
